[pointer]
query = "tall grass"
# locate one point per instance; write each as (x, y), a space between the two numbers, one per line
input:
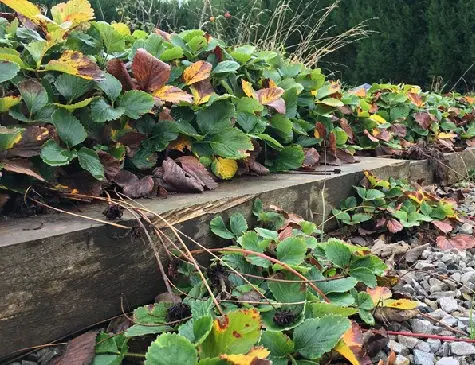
(302, 30)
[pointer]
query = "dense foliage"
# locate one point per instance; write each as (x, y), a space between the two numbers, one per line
(85, 103)
(277, 294)
(416, 41)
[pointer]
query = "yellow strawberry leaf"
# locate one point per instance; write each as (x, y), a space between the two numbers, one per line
(377, 118)
(404, 304)
(8, 102)
(446, 135)
(76, 64)
(173, 94)
(122, 28)
(72, 13)
(198, 71)
(259, 353)
(78, 105)
(12, 55)
(374, 181)
(248, 89)
(9, 137)
(25, 8)
(351, 346)
(224, 168)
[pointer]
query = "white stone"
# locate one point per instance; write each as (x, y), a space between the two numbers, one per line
(462, 348)
(448, 304)
(447, 361)
(423, 358)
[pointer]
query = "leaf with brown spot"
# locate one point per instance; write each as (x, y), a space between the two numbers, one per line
(443, 226)
(117, 69)
(272, 97)
(73, 13)
(198, 71)
(351, 346)
(76, 64)
(79, 351)
(151, 73)
(201, 91)
(173, 94)
(257, 353)
(32, 139)
(27, 9)
(416, 99)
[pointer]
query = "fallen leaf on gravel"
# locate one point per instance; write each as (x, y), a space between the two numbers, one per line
(459, 242)
(375, 342)
(388, 315)
(379, 294)
(79, 351)
(444, 226)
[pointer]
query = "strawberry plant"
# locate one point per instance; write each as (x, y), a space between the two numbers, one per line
(88, 106)
(393, 205)
(276, 294)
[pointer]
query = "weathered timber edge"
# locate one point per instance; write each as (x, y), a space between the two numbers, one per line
(71, 273)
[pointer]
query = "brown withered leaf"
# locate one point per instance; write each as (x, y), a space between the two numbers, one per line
(320, 130)
(375, 342)
(134, 187)
(193, 167)
(443, 226)
(79, 351)
(346, 127)
(459, 242)
(110, 163)
(311, 160)
(150, 72)
(388, 315)
(345, 157)
(165, 114)
(177, 179)
(394, 225)
(399, 130)
(332, 143)
(117, 69)
(424, 119)
(21, 166)
(218, 52)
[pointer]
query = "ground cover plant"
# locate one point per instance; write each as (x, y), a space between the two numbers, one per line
(273, 293)
(392, 206)
(89, 106)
